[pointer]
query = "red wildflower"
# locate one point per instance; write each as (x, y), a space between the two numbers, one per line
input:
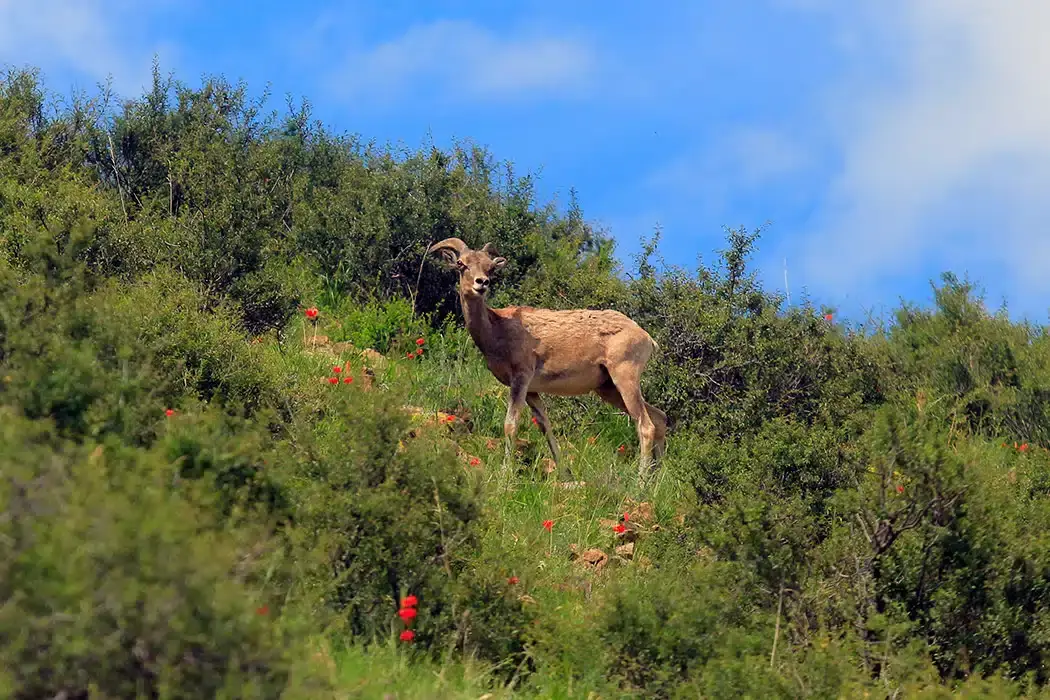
(406, 614)
(348, 380)
(474, 461)
(333, 380)
(1023, 447)
(534, 421)
(512, 580)
(169, 412)
(419, 352)
(409, 601)
(337, 369)
(900, 489)
(618, 528)
(827, 317)
(451, 419)
(262, 610)
(548, 525)
(409, 355)
(621, 449)
(407, 636)
(311, 313)
(420, 341)
(626, 517)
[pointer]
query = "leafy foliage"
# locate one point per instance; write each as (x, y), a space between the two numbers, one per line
(205, 492)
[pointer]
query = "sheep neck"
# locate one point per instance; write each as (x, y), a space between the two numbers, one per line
(477, 316)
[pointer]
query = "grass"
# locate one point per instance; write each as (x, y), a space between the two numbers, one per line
(599, 445)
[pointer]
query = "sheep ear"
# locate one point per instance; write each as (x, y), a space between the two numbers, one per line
(498, 263)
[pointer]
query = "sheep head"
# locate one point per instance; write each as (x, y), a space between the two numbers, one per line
(475, 267)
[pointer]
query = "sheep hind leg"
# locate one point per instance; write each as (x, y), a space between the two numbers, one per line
(540, 413)
(659, 419)
(627, 389)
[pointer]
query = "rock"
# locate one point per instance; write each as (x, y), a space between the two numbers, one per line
(595, 559)
(626, 550)
(317, 341)
(427, 419)
(643, 512)
(571, 485)
(343, 347)
(375, 358)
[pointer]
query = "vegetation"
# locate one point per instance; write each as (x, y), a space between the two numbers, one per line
(247, 450)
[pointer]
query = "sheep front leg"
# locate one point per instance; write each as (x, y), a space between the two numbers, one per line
(518, 392)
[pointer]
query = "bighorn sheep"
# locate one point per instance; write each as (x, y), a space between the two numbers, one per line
(567, 353)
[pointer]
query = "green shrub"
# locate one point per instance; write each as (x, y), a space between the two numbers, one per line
(374, 521)
(113, 583)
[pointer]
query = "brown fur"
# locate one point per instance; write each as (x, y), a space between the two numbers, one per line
(566, 353)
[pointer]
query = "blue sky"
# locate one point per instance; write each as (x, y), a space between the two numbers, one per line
(884, 140)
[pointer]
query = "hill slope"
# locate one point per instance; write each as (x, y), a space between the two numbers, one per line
(207, 492)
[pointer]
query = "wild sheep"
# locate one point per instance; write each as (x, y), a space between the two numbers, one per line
(566, 353)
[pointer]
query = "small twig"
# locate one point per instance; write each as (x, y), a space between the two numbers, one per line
(419, 277)
(776, 630)
(441, 530)
(116, 174)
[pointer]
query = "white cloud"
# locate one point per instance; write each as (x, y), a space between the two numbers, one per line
(741, 162)
(461, 59)
(945, 157)
(90, 39)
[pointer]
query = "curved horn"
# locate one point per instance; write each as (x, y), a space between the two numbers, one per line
(450, 248)
(487, 248)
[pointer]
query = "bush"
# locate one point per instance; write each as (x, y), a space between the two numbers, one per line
(377, 515)
(112, 582)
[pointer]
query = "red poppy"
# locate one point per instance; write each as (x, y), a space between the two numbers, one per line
(420, 341)
(548, 525)
(1023, 447)
(409, 355)
(626, 517)
(419, 353)
(262, 610)
(407, 636)
(512, 580)
(451, 419)
(474, 461)
(337, 370)
(311, 313)
(348, 380)
(333, 380)
(827, 317)
(409, 601)
(534, 421)
(169, 412)
(900, 489)
(619, 529)
(407, 614)
(621, 449)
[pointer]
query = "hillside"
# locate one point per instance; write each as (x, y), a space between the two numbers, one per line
(241, 422)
